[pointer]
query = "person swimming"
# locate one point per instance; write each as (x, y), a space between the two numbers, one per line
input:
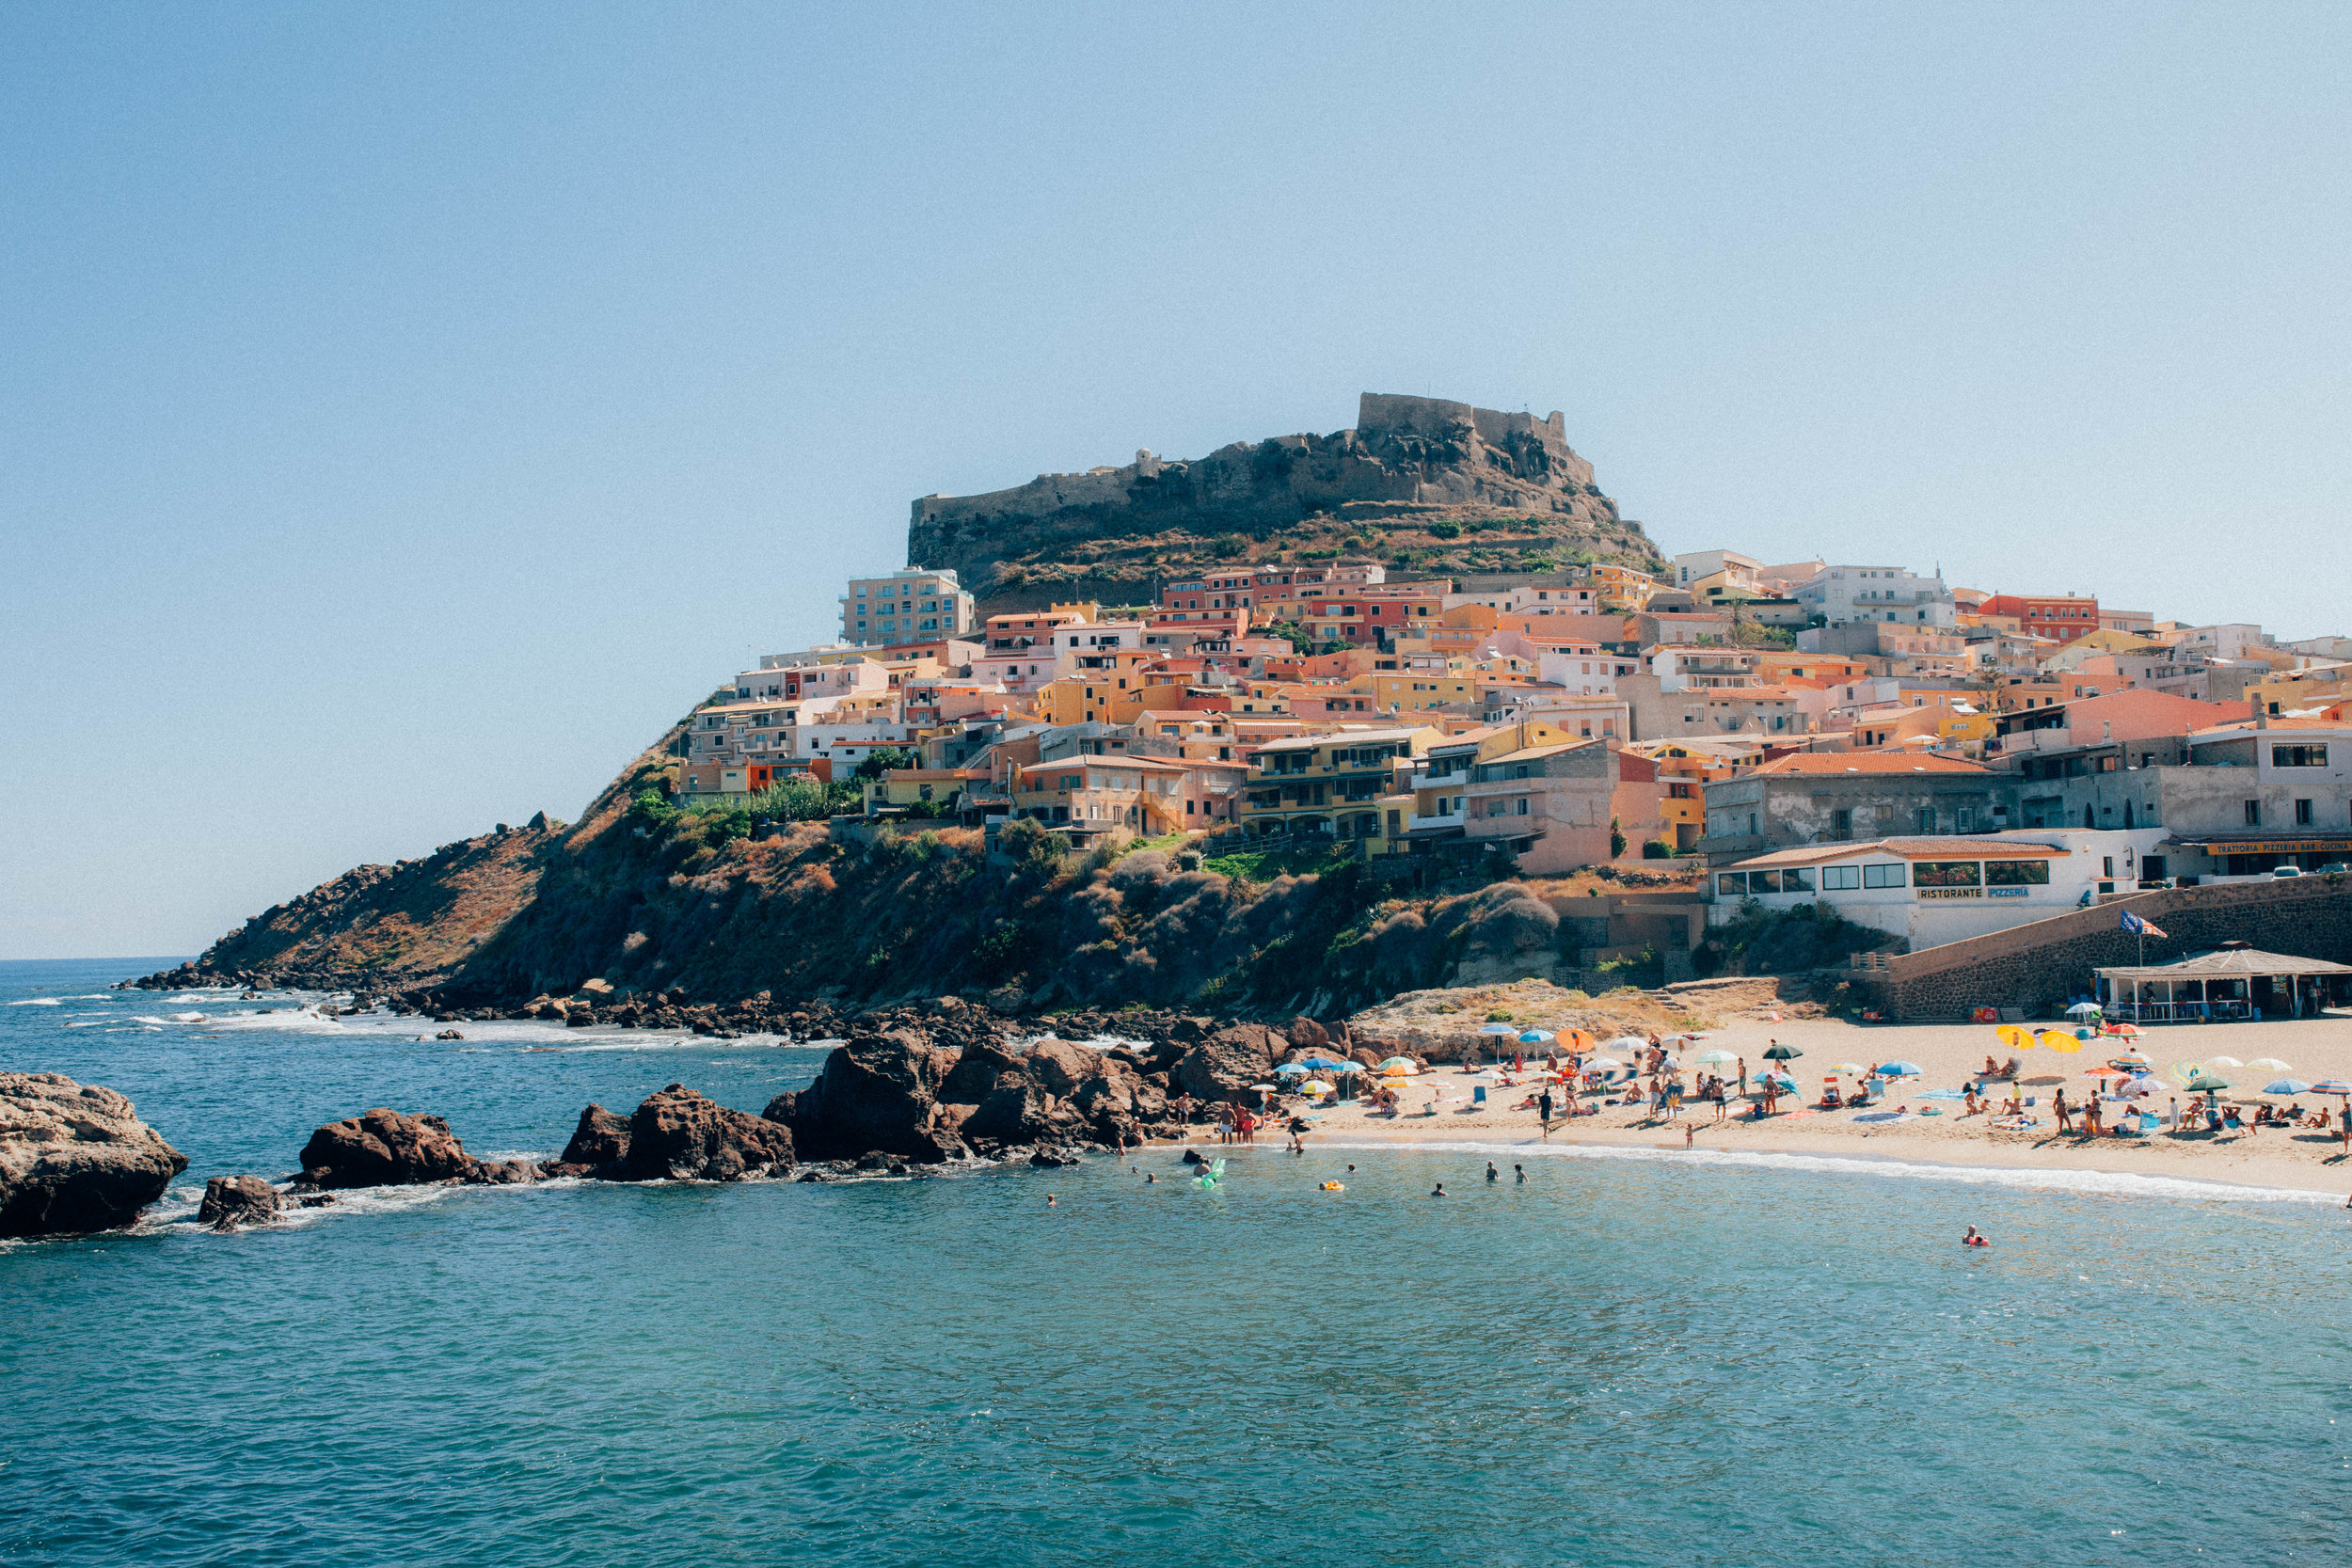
(1492, 1174)
(1972, 1238)
(1522, 1172)
(1437, 1190)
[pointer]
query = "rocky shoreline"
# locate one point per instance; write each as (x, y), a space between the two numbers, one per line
(907, 1089)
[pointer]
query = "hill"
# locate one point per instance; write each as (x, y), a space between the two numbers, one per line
(1421, 485)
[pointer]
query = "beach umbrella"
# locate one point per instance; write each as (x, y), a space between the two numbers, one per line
(1265, 1086)
(2332, 1085)
(1400, 1064)
(1781, 1080)
(1314, 1086)
(2125, 1031)
(1898, 1069)
(1625, 1043)
(2083, 1009)
(2014, 1037)
(2223, 1061)
(1499, 1029)
(2268, 1063)
(1534, 1036)
(1851, 1069)
(2131, 1058)
(1782, 1053)
(1603, 1064)
(2059, 1040)
(2205, 1083)
(1288, 1068)
(1715, 1058)
(2181, 1072)
(2132, 1088)
(2287, 1085)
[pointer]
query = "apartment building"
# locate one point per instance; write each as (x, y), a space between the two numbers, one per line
(913, 606)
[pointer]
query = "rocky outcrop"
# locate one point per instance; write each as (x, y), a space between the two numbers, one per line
(685, 1136)
(75, 1158)
(601, 1139)
(1409, 460)
(1229, 1061)
(231, 1201)
(384, 1148)
(902, 1093)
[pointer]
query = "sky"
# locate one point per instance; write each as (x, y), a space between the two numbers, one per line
(410, 410)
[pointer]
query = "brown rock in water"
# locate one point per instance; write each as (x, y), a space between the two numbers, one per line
(384, 1148)
(879, 1092)
(231, 1201)
(600, 1139)
(682, 1135)
(75, 1158)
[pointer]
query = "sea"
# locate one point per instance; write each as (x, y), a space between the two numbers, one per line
(1628, 1358)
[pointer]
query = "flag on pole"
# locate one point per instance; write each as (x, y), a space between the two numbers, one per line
(2141, 928)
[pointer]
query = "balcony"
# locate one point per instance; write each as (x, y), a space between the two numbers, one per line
(1441, 781)
(1416, 823)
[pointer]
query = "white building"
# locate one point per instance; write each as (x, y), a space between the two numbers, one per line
(1699, 565)
(913, 606)
(1841, 594)
(1931, 891)
(1579, 670)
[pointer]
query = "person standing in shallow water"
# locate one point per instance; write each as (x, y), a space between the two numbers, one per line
(1437, 1190)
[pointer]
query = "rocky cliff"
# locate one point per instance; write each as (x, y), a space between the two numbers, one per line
(1419, 483)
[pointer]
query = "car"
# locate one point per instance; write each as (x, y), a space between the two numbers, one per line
(2333, 869)
(2286, 871)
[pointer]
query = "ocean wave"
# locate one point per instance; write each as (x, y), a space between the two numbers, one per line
(2109, 1183)
(37, 1001)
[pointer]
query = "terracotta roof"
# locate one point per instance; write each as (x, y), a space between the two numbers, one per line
(1867, 762)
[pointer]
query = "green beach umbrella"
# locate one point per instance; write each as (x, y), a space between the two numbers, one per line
(2205, 1083)
(1782, 1053)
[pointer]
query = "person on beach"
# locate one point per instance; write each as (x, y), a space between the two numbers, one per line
(1543, 1109)
(2057, 1107)
(1690, 1134)
(1743, 1076)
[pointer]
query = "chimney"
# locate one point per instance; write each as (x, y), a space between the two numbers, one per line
(2261, 715)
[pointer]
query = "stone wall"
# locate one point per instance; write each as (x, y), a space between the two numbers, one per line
(2036, 967)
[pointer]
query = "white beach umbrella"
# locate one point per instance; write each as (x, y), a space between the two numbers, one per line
(2269, 1064)
(2223, 1061)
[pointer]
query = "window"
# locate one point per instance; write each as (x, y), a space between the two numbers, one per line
(2253, 813)
(1840, 878)
(2302, 814)
(1947, 874)
(2016, 873)
(1520, 808)
(2297, 756)
(1883, 875)
(1926, 819)
(1731, 882)
(1763, 881)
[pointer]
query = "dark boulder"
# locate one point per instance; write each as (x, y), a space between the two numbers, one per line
(384, 1149)
(683, 1136)
(231, 1201)
(600, 1139)
(75, 1158)
(878, 1092)
(1229, 1061)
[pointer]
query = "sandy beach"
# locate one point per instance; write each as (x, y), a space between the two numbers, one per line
(2314, 1049)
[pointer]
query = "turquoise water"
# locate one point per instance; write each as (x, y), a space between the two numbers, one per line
(1626, 1360)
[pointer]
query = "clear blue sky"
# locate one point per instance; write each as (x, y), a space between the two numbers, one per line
(410, 410)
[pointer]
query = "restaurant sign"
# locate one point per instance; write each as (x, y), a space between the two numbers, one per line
(2272, 847)
(1954, 891)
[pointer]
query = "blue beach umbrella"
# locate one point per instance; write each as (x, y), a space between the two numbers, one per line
(1898, 1069)
(1287, 1069)
(1534, 1036)
(2287, 1085)
(1500, 1029)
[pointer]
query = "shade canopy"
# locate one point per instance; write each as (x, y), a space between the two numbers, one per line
(2229, 964)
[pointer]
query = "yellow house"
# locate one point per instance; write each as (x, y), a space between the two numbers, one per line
(1104, 688)
(1622, 587)
(1417, 690)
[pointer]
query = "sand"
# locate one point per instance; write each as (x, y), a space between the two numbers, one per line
(2314, 1049)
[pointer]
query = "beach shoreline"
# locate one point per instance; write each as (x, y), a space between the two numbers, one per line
(2298, 1161)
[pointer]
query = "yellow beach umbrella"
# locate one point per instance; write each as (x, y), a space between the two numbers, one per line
(2059, 1040)
(2014, 1037)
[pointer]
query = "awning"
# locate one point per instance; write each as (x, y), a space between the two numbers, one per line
(2340, 842)
(2229, 964)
